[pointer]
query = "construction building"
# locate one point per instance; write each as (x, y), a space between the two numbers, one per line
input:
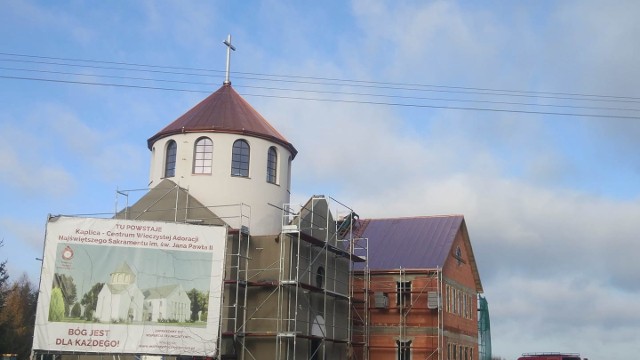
(310, 281)
(295, 276)
(287, 287)
(422, 288)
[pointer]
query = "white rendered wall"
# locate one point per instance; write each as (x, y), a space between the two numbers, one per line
(220, 188)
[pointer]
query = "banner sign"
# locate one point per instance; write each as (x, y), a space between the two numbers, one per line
(134, 287)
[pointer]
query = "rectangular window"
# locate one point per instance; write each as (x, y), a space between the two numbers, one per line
(450, 299)
(403, 293)
(447, 291)
(464, 305)
(455, 301)
(404, 350)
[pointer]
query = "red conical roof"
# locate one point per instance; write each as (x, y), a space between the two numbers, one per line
(224, 111)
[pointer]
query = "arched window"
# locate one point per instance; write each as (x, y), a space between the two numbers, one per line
(240, 159)
(170, 159)
(289, 173)
(202, 156)
(272, 165)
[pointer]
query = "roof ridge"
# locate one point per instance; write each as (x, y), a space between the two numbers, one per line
(415, 217)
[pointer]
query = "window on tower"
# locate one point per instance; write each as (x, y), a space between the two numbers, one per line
(240, 159)
(272, 165)
(202, 156)
(289, 173)
(170, 159)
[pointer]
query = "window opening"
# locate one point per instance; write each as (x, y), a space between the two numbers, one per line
(272, 165)
(458, 256)
(404, 349)
(203, 155)
(289, 173)
(403, 293)
(315, 349)
(170, 159)
(320, 277)
(240, 159)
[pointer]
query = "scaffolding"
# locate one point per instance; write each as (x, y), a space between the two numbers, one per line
(484, 329)
(360, 295)
(173, 203)
(291, 297)
(406, 315)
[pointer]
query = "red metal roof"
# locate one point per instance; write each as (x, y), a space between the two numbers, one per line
(422, 242)
(224, 111)
(410, 243)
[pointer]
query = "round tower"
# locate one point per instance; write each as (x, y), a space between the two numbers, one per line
(225, 153)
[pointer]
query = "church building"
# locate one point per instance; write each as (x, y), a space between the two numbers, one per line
(312, 281)
(287, 284)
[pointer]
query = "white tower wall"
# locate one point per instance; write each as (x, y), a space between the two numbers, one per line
(221, 188)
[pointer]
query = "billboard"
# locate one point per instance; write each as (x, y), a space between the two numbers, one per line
(126, 286)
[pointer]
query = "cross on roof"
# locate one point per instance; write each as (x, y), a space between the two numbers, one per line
(229, 48)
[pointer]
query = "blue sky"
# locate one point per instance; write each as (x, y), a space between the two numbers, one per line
(551, 202)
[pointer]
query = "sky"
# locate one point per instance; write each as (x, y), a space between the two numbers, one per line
(523, 116)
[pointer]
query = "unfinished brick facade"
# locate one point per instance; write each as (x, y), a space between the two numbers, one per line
(421, 313)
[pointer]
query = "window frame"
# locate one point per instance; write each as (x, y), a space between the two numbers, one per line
(403, 350)
(202, 156)
(403, 293)
(170, 159)
(289, 161)
(272, 165)
(240, 158)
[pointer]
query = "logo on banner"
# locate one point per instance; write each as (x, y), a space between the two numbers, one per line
(67, 253)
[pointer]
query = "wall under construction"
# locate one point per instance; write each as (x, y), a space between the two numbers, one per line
(288, 296)
(404, 314)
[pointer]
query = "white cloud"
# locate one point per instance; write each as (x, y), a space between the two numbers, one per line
(121, 162)
(28, 233)
(551, 203)
(437, 40)
(561, 313)
(68, 130)
(565, 255)
(25, 169)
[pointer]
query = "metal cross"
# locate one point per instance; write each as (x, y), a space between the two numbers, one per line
(229, 48)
